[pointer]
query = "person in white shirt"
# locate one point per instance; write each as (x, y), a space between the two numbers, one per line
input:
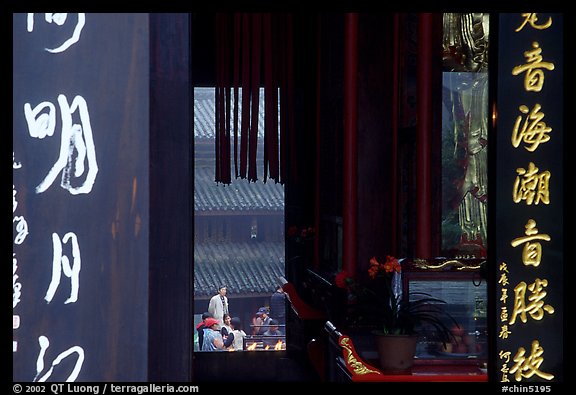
(239, 334)
(218, 305)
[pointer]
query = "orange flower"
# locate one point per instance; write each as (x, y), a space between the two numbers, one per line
(389, 266)
(392, 264)
(374, 267)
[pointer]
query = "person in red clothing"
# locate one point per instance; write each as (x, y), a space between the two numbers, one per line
(213, 340)
(200, 328)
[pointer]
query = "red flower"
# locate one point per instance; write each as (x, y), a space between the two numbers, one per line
(292, 231)
(343, 279)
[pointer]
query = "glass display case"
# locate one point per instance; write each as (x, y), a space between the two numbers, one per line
(464, 144)
(461, 284)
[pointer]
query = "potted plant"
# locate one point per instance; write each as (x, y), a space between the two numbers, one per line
(395, 317)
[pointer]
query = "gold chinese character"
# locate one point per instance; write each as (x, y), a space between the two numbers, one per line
(504, 369)
(532, 252)
(505, 355)
(534, 78)
(534, 133)
(504, 332)
(503, 279)
(504, 314)
(526, 367)
(503, 267)
(504, 296)
(531, 186)
(535, 306)
(531, 18)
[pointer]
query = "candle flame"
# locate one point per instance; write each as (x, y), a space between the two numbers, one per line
(279, 345)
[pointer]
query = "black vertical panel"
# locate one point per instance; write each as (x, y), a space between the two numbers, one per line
(171, 238)
(529, 293)
(95, 207)
(374, 138)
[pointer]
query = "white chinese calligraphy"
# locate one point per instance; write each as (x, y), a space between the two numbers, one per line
(59, 19)
(21, 233)
(15, 165)
(44, 344)
(61, 263)
(76, 147)
(40, 124)
(21, 229)
(16, 286)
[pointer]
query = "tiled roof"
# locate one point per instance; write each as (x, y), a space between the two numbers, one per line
(245, 268)
(240, 195)
(205, 110)
(248, 269)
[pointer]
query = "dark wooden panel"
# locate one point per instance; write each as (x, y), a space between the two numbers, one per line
(100, 201)
(375, 167)
(171, 180)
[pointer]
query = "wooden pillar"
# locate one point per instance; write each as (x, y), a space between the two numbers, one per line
(395, 125)
(423, 136)
(317, 205)
(350, 162)
(171, 149)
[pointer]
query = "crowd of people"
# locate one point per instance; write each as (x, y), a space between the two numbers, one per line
(219, 331)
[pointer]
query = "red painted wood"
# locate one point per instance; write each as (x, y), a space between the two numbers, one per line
(395, 125)
(350, 163)
(423, 136)
(361, 371)
(302, 309)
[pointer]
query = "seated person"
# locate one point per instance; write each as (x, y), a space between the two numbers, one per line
(272, 335)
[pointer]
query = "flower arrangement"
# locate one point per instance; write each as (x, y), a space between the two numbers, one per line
(381, 302)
